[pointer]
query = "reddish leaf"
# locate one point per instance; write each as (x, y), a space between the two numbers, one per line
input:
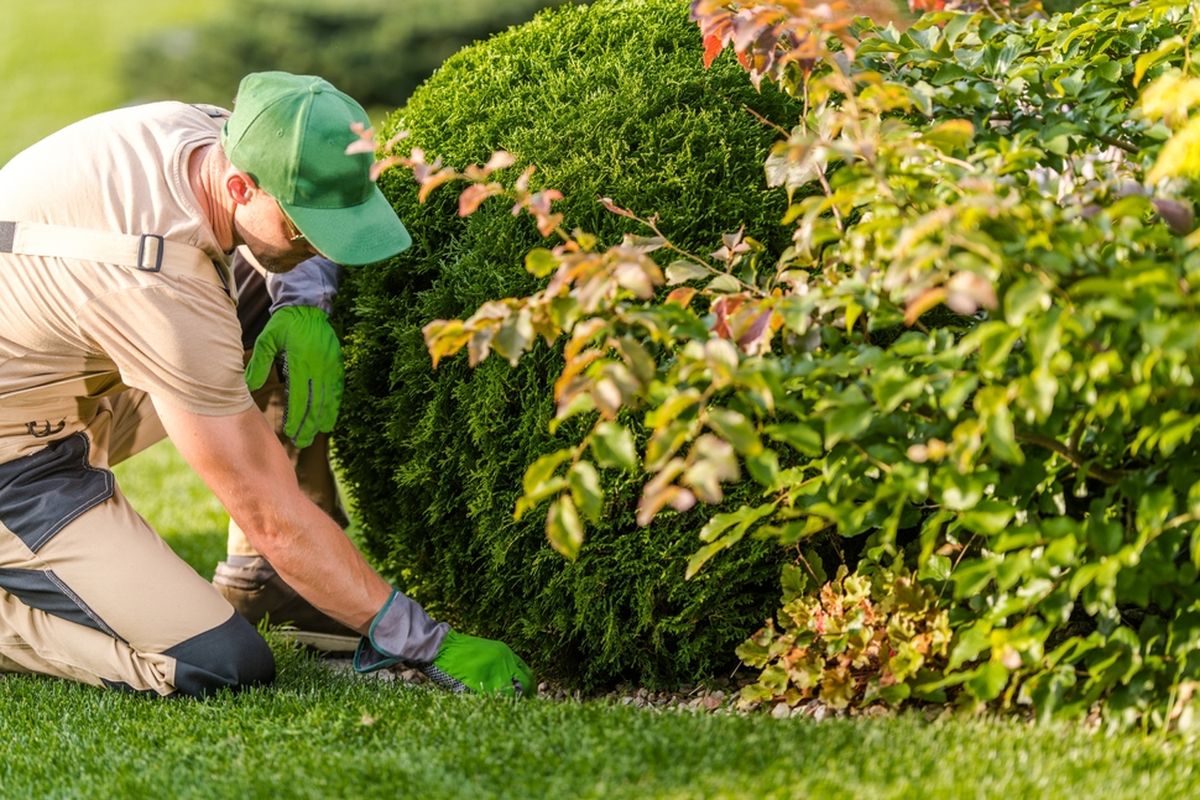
(431, 182)
(547, 223)
(620, 212)
(922, 303)
(395, 140)
(712, 48)
(724, 308)
(473, 195)
(681, 296)
(757, 333)
(365, 143)
(499, 160)
(379, 167)
(361, 146)
(522, 184)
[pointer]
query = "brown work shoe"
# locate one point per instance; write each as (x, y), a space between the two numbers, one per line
(254, 588)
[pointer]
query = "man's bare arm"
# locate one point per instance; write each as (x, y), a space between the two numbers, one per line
(242, 462)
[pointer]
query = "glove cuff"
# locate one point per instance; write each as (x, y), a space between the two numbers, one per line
(401, 633)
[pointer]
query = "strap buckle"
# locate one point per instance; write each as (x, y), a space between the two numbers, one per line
(141, 255)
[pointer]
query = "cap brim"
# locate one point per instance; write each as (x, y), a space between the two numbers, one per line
(361, 234)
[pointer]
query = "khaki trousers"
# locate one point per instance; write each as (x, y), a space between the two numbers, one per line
(89, 592)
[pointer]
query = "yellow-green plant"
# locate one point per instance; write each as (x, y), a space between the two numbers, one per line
(858, 639)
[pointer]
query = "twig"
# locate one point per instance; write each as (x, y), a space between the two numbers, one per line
(1101, 474)
(777, 127)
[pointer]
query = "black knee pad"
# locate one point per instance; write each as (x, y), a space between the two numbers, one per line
(230, 656)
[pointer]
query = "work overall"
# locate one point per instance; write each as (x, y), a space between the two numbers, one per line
(88, 591)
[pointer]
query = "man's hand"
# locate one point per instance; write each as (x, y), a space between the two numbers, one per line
(484, 666)
(402, 633)
(313, 373)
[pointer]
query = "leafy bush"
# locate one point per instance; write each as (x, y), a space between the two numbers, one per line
(608, 100)
(976, 362)
(376, 51)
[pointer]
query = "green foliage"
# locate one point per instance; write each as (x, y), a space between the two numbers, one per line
(609, 100)
(975, 363)
(374, 50)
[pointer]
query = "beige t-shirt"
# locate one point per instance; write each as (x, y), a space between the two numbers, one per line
(72, 331)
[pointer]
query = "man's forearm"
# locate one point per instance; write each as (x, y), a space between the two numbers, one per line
(241, 460)
(312, 554)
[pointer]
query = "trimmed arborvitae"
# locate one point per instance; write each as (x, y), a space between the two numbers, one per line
(609, 100)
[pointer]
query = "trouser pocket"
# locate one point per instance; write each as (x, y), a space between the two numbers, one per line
(42, 493)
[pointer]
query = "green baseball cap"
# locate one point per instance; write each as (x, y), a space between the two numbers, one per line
(290, 132)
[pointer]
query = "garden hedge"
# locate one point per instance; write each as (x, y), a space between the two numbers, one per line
(609, 100)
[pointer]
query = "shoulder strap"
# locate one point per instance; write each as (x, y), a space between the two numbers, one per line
(148, 252)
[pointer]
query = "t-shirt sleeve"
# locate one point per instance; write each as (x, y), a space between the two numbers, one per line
(180, 346)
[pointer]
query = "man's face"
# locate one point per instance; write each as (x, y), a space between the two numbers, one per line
(263, 226)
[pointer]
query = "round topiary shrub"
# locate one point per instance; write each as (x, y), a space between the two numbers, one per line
(606, 100)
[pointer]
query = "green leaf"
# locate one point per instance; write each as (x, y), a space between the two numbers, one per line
(684, 271)
(540, 262)
(724, 284)
(988, 517)
(954, 135)
(970, 577)
(703, 555)
(988, 681)
(804, 438)
(514, 336)
(992, 404)
(584, 482)
(1148, 60)
(969, 642)
(846, 423)
(764, 468)
(895, 694)
(1024, 298)
(612, 446)
(744, 517)
(563, 528)
(794, 582)
(935, 568)
(540, 471)
(735, 428)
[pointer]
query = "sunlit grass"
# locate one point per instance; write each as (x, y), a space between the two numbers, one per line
(60, 59)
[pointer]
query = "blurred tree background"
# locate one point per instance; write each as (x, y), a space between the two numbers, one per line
(377, 51)
(62, 60)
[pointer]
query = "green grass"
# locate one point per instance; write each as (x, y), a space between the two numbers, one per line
(326, 736)
(59, 59)
(321, 734)
(180, 507)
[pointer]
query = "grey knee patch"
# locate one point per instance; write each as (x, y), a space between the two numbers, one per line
(45, 591)
(41, 493)
(230, 656)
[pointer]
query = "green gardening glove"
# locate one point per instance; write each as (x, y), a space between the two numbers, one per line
(313, 374)
(469, 663)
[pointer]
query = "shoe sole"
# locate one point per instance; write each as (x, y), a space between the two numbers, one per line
(325, 642)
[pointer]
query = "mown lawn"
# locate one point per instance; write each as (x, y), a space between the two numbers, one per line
(321, 733)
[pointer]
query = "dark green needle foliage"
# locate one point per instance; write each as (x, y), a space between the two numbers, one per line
(612, 101)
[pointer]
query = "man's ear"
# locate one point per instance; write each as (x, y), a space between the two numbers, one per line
(241, 187)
